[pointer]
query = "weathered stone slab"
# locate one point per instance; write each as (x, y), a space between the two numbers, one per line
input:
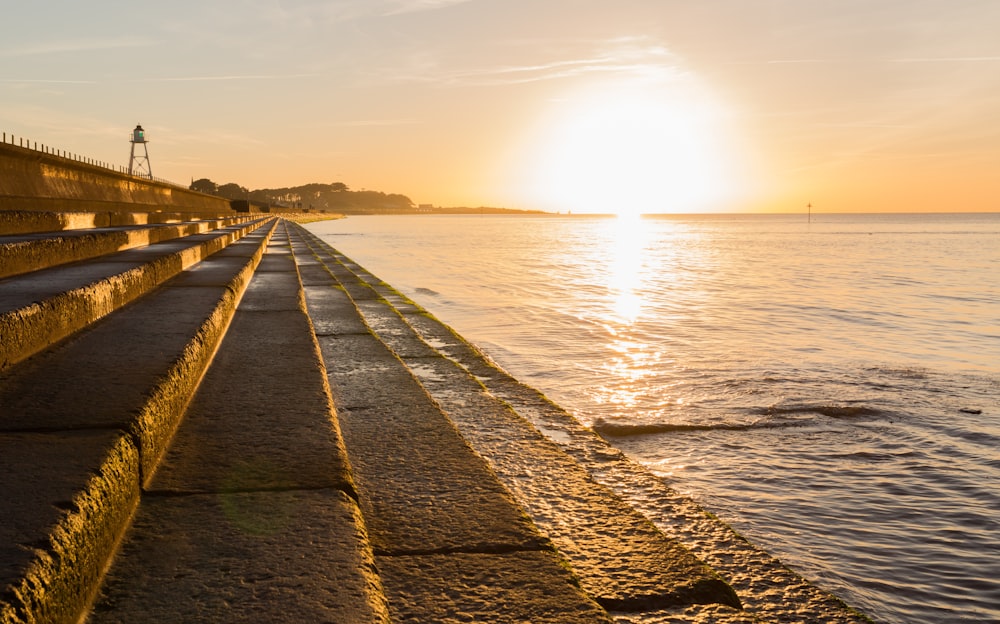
(400, 302)
(292, 556)
(272, 290)
(506, 588)
(422, 488)
(40, 286)
(357, 288)
(219, 269)
(314, 275)
(356, 363)
(447, 342)
(694, 614)
(21, 254)
(339, 315)
(262, 417)
(66, 499)
(393, 330)
(14, 222)
(253, 241)
(276, 262)
(35, 500)
(113, 365)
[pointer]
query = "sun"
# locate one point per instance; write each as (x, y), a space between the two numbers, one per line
(631, 151)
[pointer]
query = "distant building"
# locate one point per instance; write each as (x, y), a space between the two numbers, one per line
(243, 205)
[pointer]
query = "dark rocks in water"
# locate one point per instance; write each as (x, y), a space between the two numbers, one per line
(969, 410)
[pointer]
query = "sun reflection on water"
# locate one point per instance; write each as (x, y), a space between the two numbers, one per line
(632, 359)
(625, 269)
(628, 371)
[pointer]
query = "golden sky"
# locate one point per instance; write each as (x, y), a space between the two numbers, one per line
(582, 105)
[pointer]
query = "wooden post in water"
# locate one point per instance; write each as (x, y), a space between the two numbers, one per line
(809, 218)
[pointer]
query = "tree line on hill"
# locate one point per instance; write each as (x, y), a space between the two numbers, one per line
(335, 197)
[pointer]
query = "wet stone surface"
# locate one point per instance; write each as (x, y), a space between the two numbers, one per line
(294, 556)
(422, 488)
(769, 591)
(507, 588)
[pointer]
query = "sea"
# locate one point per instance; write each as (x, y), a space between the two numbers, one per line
(829, 385)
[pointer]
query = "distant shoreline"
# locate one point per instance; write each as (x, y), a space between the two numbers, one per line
(314, 216)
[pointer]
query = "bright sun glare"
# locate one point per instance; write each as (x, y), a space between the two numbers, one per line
(631, 151)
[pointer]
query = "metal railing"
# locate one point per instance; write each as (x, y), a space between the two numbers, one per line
(46, 149)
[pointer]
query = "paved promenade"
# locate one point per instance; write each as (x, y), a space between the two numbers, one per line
(228, 421)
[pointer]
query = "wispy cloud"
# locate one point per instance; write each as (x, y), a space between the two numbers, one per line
(43, 81)
(949, 59)
(220, 78)
(398, 7)
(229, 78)
(608, 64)
(622, 57)
(76, 46)
(927, 59)
(798, 62)
(339, 11)
(364, 123)
(370, 123)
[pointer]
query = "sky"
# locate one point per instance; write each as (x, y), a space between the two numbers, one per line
(569, 105)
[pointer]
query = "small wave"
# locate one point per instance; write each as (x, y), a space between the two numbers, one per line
(427, 291)
(624, 430)
(613, 429)
(830, 411)
(905, 373)
(874, 456)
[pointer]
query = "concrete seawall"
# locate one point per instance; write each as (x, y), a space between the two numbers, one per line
(234, 422)
(34, 180)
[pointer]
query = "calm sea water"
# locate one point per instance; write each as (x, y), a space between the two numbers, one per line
(831, 389)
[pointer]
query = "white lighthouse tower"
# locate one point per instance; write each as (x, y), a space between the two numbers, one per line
(138, 164)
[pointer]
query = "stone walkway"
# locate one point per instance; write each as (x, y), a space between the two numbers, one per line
(270, 433)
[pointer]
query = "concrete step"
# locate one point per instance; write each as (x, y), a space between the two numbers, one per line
(450, 542)
(84, 423)
(26, 252)
(253, 514)
(40, 308)
(14, 222)
(622, 560)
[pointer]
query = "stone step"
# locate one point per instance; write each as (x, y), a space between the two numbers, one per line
(450, 542)
(84, 423)
(38, 309)
(622, 560)
(252, 515)
(14, 222)
(26, 252)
